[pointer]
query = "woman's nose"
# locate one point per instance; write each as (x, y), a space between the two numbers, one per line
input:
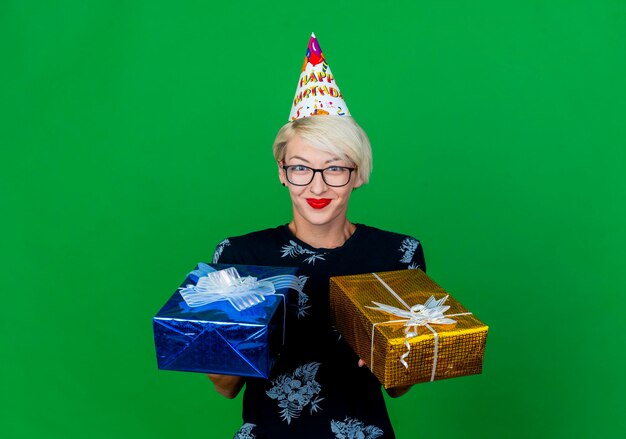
(318, 185)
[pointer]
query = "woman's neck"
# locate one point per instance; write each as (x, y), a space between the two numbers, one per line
(326, 236)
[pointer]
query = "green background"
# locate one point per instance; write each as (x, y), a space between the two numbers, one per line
(135, 135)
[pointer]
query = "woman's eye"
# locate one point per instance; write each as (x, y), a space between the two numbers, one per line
(335, 169)
(299, 168)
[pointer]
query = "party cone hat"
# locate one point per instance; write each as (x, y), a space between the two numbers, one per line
(317, 92)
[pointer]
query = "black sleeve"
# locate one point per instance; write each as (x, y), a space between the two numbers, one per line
(412, 254)
(224, 253)
(418, 258)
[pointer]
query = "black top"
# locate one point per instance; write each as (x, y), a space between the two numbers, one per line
(317, 389)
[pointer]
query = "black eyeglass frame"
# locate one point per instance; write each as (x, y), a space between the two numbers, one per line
(321, 171)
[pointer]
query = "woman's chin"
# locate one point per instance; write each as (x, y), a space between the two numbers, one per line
(321, 217)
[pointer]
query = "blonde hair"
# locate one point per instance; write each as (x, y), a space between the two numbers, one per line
(338, 135)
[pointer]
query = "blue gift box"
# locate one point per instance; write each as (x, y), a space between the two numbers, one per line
(216, 337)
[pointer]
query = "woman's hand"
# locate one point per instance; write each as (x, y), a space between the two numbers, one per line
(228, 386)
(394, 392)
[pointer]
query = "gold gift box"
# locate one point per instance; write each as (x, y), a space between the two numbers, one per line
(379, 337)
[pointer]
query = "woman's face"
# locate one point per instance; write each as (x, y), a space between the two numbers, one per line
(317, 203)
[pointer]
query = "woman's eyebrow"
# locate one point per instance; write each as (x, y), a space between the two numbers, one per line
(297, 157)
(331, 160)
(334, 159)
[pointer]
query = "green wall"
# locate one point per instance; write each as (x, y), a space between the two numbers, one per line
(135, 135)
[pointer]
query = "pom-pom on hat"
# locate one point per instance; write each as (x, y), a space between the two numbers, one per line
(317, 92)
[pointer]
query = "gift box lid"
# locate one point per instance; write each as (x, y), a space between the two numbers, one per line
(222, 311)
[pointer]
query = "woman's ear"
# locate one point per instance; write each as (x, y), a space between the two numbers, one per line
(281, 173)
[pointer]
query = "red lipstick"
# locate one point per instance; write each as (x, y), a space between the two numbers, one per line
(318, 203)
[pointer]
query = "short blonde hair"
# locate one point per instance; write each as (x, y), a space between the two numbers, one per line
(338, 135)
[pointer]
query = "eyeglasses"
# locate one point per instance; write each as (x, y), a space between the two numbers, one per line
(335, 176)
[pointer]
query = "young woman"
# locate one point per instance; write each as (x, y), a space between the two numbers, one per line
(319, 388)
